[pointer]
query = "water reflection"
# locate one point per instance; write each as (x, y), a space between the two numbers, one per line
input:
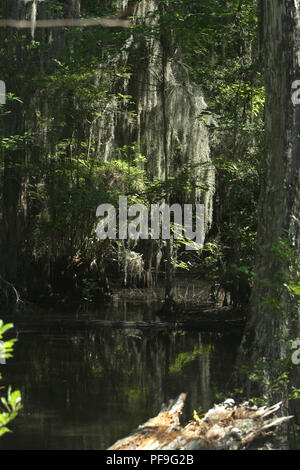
(85, 389)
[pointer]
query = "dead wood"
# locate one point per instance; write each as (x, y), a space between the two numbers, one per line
(224, 427)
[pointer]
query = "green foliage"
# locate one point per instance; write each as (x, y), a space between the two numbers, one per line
(11, 404)
(294, 288)
(83, 82)
(198, 414)
(89, 287)
(284, 287)
(15, 142)
(279, 386)
(6, 346)
(219, 41)
(294, 437)
(185, 358)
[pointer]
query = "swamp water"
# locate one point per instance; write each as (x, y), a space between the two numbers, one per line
(84, 389)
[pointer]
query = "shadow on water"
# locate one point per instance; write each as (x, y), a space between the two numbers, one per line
(85, 389)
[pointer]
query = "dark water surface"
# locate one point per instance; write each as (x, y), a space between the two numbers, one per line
(85, 389)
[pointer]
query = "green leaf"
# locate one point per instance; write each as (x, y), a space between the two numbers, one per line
(4, 431)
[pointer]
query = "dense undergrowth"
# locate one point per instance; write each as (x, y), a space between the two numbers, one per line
(53, 174)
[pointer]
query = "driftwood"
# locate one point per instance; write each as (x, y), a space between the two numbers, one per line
(224, 427)
(200, 325)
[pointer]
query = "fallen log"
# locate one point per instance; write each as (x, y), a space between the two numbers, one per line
(65, 22)
(224, 427)
(200, 325)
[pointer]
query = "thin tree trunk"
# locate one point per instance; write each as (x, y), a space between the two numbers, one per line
(168, 288)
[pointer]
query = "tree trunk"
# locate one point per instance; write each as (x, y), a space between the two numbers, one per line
(277, 316)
